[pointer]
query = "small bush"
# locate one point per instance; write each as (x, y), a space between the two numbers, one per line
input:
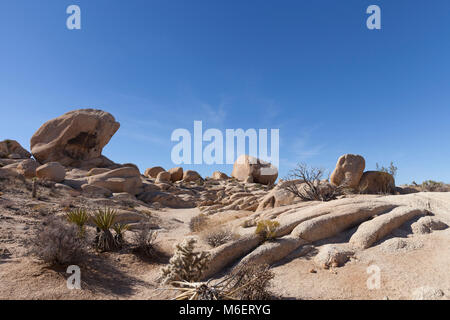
(218, 236)
(267, 229)
(144, 242)
(392, 169)
(198, 223)
(254, 281)
(58, 242)
(186, 264)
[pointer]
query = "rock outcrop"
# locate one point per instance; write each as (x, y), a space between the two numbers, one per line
(376, 182)
(258, 171)
(176, 174)
(153, 172)
(349, 170)
(13, 150)
(52, 171)
(27, 168)
(127, 179)
(75, 139)
(191, 176)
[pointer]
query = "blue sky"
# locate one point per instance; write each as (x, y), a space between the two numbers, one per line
(309, 68)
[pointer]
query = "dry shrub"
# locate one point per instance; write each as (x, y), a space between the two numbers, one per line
(57, 242)
(251, 282)
(198, 223)
(267, 229)
(145, 242)
(218, 236)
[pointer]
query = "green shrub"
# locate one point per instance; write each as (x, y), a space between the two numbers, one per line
(79, 217)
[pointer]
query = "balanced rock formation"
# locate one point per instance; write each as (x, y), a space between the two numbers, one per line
(349, 170)
(13, 150)
(176, 174)
(375, 182)
(75, 139)
(52, 171)
(259, 171)
(153, 172)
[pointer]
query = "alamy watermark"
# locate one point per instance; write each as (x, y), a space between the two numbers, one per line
(220, 148)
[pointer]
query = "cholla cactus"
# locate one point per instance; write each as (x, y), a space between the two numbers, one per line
(186, 265)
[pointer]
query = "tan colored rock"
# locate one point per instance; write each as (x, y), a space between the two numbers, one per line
(349, 170)
(153, 172)
(74, 138)
(277, 197)
(93, 191)
(333, 255)
(13, 150)
(162, 177)
(52, 171)
(379, 227)
(176, 174)
(376, 182)
(191, 176)
(427, 225)
(165, 199)
(260, 171)
(95, 171)
(27, 168)
(127, 179)
(217, 175)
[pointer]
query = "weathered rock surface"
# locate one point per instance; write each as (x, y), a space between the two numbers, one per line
(259, 171)
(13, 150)
(75, 139)
(162, 177)
(333, 255)
(217, 175)
(153, 172)
(191, 176)
(27, 168)
(52, 171)
(376, 182)
(349, 170)
(176, 174)
(127, 179)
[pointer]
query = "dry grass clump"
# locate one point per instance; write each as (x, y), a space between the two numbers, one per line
(432, 186)
(218, 236)
(267, 229)
(58, 242)
(198, 223)
(144, 241)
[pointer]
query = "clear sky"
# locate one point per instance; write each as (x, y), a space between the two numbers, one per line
(309, 68)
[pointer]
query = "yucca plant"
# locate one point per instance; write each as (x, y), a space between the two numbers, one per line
(104, 219)
(120, 229)
(79, 217)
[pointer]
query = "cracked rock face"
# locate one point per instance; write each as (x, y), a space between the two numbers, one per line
(74, 138)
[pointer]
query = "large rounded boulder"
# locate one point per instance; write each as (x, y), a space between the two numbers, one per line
(376, 182)
(349, 170)
(75, 138)
(250, 168)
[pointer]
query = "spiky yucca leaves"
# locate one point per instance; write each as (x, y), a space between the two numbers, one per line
(79, 217)
(246, 282)
(120, 229)
(104, 220)
(267, 229)
(186, 265)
